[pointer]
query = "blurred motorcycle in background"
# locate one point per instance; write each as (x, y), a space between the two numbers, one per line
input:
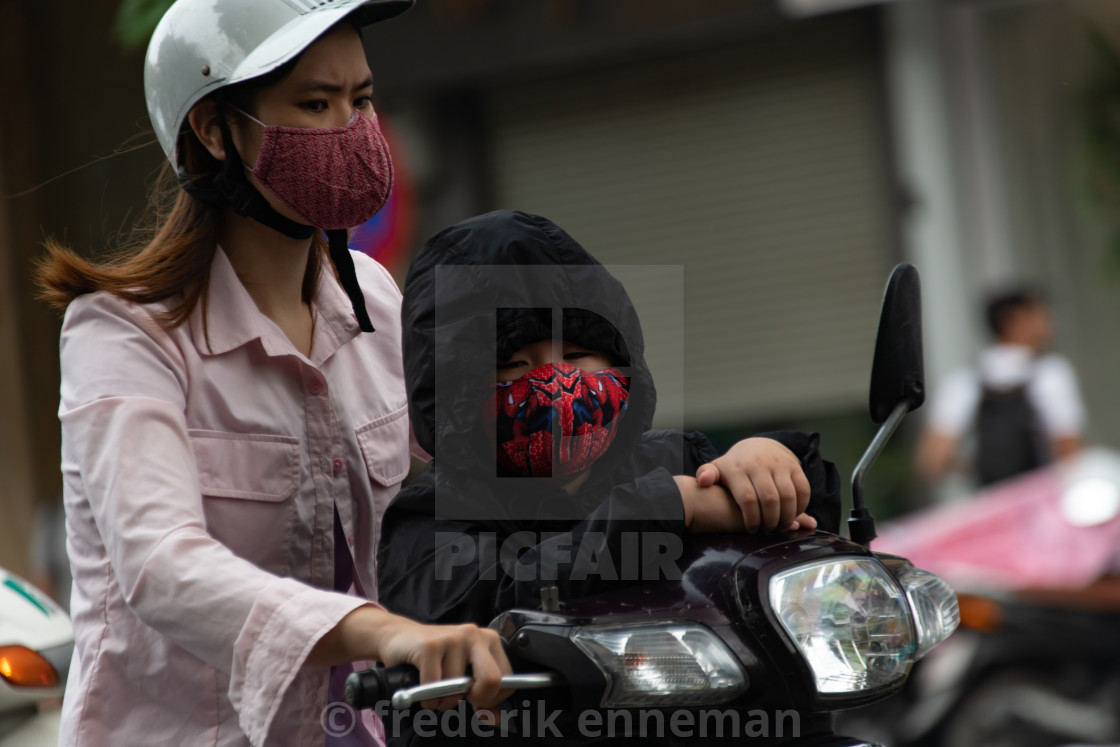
(36, 643)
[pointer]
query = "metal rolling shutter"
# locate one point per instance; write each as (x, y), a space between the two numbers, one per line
(759, 169)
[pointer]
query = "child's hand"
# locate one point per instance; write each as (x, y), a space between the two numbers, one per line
(712, 509)
(767, 483)
(708, 509)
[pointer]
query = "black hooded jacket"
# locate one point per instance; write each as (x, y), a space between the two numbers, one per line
(463, 542)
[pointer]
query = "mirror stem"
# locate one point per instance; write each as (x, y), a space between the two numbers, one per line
(861, 524)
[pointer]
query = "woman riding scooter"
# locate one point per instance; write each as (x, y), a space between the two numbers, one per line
(233, 405)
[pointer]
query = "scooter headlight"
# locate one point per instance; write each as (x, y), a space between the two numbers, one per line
(851, 621)
(679, 663)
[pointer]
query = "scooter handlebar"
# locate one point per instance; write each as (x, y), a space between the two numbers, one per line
(400, 685)
(368, 688)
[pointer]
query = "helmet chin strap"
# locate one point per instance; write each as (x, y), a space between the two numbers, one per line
(344, 264)
(231, 189)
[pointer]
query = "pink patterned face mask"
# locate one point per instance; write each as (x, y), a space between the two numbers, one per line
(334, 177)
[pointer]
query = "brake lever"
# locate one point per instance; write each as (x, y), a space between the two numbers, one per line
(409, 696)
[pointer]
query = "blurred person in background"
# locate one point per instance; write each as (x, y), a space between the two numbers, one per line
(1020, 403)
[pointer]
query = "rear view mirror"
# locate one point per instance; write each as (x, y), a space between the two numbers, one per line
(897, 370)
(897, 381)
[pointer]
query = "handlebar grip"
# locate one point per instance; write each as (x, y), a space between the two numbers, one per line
(368, 688)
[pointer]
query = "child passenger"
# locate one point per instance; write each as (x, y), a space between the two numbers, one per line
(527, 383)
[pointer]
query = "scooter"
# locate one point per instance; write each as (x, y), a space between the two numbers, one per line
(764, 637)
(36, 643)
(1036, 661)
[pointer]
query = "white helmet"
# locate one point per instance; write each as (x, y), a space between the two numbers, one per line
(200, 46)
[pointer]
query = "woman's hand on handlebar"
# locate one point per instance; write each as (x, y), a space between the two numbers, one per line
(440, 651)
(437, 651)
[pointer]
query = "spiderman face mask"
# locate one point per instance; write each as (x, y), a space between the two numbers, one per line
(555, 420)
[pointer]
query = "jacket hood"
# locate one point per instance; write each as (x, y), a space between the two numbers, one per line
(485, 287)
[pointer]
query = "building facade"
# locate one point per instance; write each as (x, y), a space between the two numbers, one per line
(779, 163)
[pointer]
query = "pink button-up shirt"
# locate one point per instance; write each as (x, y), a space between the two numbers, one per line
(201, 482)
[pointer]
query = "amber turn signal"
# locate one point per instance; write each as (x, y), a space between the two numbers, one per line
(22, 667)
(980, 613)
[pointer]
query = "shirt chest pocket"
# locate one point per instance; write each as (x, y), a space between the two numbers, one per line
(384, 444)
(247, 482)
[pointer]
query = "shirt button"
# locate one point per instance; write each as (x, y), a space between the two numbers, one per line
(315, 386)
(337, 464)
(350, 539)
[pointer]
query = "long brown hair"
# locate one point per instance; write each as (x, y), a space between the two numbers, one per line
(170, 259)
